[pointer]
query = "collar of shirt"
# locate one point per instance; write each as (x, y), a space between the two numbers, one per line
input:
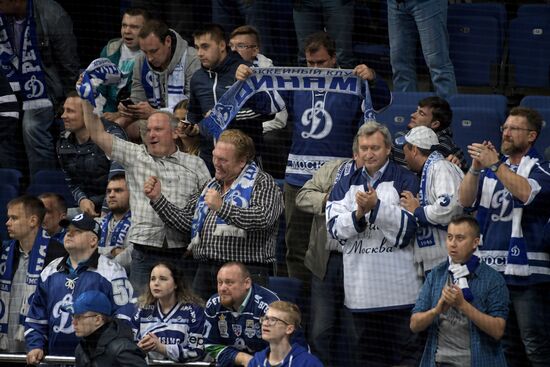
(243, 305)
(65, 264)
(372, 180)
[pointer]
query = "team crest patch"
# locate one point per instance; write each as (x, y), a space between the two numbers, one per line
(222, 327)
(237, 329)
(249, 330)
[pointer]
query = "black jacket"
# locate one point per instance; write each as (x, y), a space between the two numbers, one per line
(111, 345)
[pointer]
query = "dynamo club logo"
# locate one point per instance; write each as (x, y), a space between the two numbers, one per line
(318, 120)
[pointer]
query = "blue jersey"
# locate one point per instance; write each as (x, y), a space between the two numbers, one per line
(48, 325)
(496, 205)
(180, 330)
(227, 332)
(298, 357)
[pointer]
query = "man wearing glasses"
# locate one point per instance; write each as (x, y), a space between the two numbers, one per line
(511, 194)
(232, 329)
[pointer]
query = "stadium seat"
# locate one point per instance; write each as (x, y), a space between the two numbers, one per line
(530, 52)
(51, 181)
(475, 48)
(542, 105)
(10, 176)
(476, 125)
(288, 289)
(409, 98)
(494, 10)
(534, 10)
(396, 117)
(7, 193)
(494, 101)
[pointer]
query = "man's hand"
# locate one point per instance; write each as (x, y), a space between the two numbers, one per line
(453, 296)
(87, 206)
(213, 199)
(116, 251)
(35, 356)
(409, 201)
(152, 188)
(483, 154)
(242, 359)
(151, 342)
(454, 160)
(365, 202)
(111, 116)
(364, 72)
(441, 306)
(243, 72)
(141, 110)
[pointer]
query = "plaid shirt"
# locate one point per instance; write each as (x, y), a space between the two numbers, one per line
(181, 175)
(446, 146)
(259, 220)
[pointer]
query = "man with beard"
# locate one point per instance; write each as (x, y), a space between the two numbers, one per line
(511, 195)
(116, 224)
(232, 327)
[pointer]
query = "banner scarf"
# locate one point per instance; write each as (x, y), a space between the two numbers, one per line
(517, 262)
(35, 266)
(239, 194)
(24, 71)
(119, 232)
(286, 78)
(100, 72)
(459, 274)
(175, 87)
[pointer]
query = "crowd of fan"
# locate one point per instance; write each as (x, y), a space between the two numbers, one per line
(406, 254)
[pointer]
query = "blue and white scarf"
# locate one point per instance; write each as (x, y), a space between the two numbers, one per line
(517, 262)
(100, 72)
(286, 78)
(175, 87)
(119, 232)
(24, 71)
(239, 194)
(7, 269)
(459, 275)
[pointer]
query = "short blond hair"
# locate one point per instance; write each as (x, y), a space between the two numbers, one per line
(292, 310)
(244, 145)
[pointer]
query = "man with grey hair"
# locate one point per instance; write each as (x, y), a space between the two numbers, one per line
(364, 214)
(437, 202)
(181, 175)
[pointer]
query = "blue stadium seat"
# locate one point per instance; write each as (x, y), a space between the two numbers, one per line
(497, 102)
(376, 56)
(534, 10)
(542, 105)
(475, 125)
(7, 193)
(475, 48)
(396, 117)
(494, 10)
(409, 98)
(530, 52)
(10, 176)
(51, 181)
(288, 289)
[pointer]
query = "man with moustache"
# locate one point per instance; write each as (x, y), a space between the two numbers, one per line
(232, 327)
(511, 194)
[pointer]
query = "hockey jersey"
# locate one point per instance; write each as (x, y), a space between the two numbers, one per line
(48, 325)
(379, 272)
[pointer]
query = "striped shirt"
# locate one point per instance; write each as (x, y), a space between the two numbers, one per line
(259, 220)
(180, 174)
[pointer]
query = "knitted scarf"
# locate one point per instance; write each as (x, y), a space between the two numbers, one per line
(517, 262)
(119, 232)
(239, 194)
(100, 72)
(24, 71)
(459, 274)
(7, 270)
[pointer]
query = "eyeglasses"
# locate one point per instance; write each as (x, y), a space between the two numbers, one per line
(513, 128)
(243, 46)
(80, 317)
(271, 320)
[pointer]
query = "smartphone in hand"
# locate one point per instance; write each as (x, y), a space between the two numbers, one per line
(127, 102)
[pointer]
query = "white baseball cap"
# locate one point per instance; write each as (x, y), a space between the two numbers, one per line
(421, 136)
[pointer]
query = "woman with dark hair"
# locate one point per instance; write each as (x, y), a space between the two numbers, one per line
(170, 319)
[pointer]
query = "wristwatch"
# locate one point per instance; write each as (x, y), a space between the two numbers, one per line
(494, 167)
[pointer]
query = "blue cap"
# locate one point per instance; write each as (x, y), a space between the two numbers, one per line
(84, 222)
(92, 301)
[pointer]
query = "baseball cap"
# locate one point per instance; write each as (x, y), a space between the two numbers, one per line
(92, 301)
(84, 222)
(421, 136)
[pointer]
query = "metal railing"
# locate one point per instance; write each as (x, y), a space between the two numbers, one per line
(22, 359)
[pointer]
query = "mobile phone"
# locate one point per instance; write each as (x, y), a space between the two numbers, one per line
(127, 102)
